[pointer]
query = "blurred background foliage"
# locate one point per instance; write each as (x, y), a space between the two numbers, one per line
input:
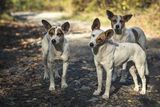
(146, 11)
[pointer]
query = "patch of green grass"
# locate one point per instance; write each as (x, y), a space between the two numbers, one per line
(7, 17)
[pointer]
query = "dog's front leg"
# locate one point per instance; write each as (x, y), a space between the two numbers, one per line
(52, 84)
(44, 57)
(63, 81)
(99, 76)
(108, 82)
(123, 80)
(56, 72)
(114, 77)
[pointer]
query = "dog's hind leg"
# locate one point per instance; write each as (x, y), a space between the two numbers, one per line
(63, 81)
(99, 76)
(141, 72)
(146, 69)
(57, 73)
(132, 70)
(114, 76)
(123, 80)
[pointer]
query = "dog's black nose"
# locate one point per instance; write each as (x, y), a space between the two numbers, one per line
(53, 41)
(117, 26)
(91, 44)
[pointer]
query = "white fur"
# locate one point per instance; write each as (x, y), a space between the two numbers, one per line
(118, 22)
(52, 58)
(111, 55)
(127, 36)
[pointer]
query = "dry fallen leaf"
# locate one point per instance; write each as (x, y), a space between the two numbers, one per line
(1, 79)
(129, 101)
(148, 91)
(36, 85)
(25, 46)
(133, 93)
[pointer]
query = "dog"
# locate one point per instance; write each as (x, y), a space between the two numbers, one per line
(122, 34)
(108, 54)
(55, 49)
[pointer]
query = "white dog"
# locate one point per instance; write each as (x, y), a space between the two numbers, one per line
(55, 50)
(108, 54)
(122, 34)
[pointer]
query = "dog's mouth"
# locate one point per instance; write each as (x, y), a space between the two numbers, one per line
(118, 31)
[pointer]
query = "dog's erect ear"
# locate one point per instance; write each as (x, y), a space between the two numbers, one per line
(127, 17)
(109, 14)
(46, 24)
(96, 24)
(65, 27)
(109, 33)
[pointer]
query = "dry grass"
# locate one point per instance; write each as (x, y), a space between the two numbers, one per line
(145, 20)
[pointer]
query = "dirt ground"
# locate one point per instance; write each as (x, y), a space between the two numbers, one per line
(21, 69)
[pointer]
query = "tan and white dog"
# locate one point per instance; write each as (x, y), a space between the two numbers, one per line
(122, 34)
(108, 54)
(55, 51)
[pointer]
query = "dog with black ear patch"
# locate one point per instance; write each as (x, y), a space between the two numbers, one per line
(122, 34)
(55, 49)
(109, 54)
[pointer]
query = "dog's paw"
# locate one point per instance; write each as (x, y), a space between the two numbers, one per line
(45, 75)
(52, 88)
(136, 89)
(96, 92)
(64, 85)
(122, 80)
(104, 96)
(57, 76)
(142, 92)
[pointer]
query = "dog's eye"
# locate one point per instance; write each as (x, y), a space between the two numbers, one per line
(121, 21)
(58, 34)
(50, 33)
(93, 35)
(99, 39)
(114, 21)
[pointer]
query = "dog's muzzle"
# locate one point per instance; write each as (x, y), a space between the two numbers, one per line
(118, 31)
(91, 45)
(53, 41)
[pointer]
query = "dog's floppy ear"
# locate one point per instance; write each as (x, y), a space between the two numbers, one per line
(109, 33)
(109, 14)
(127, 17)
(96, 24)
(65, 27)
(46, 24)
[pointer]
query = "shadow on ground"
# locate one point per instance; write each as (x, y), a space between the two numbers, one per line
(21, 82)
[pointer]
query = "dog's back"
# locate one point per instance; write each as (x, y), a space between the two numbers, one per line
(139, 36)
(128, 51)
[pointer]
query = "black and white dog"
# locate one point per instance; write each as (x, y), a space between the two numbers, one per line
(55, 49)
(122, 34)
(109, 54)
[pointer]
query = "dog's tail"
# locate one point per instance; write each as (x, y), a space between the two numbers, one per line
(146, 69)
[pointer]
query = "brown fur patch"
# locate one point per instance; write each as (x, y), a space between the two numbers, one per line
(51, 32)
(59, 32)
(101, 38)
(135, 35)
(122, 21)
(114, 20)
(109, 33)
(96, 24)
